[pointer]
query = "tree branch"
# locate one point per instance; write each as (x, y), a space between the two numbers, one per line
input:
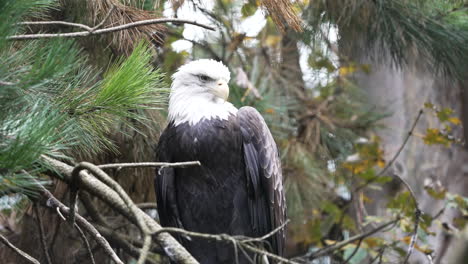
(89, 31)
(18, 251)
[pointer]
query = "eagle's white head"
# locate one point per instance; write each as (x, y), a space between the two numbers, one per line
(199, 91)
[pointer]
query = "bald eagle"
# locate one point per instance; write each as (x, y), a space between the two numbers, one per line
(238, 188)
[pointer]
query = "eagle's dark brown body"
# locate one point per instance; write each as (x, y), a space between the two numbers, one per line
(237, 190)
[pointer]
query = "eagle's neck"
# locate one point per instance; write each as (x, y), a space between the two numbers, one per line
(189, 108)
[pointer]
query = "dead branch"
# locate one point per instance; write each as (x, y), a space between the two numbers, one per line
(171, 247)
(18, 251)
(90, 31)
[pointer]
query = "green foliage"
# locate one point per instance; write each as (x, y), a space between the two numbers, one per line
(53, 103)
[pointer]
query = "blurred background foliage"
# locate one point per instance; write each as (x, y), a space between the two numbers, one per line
(97, 99)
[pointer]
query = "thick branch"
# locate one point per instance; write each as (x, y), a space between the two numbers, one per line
(89, 31)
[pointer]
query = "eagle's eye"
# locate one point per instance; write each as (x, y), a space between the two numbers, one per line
(204, 78)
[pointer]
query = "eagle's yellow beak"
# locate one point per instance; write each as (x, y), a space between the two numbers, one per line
(221, 90)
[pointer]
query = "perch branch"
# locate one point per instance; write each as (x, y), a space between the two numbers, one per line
(89, 31)
(18, 251)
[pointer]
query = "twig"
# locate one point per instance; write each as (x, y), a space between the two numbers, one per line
(53, 203)
(42, 234)
(105, 18)
(354, 251)
(122, 241)
(86, 242)
(177, 254)
(18, 251)
(89, 31)
(417, 214)
(149, 164)
(390, 163)
(410, 133)
(338, 245)
(274, 231)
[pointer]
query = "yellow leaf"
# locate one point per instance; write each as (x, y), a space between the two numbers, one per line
(454, 120)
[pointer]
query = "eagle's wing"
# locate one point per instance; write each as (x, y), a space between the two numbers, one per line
(164, 184)
(263, 168)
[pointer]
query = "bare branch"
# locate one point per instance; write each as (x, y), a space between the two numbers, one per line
(41, 234)
(89, 31)
(149, 164)
(5, 241)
